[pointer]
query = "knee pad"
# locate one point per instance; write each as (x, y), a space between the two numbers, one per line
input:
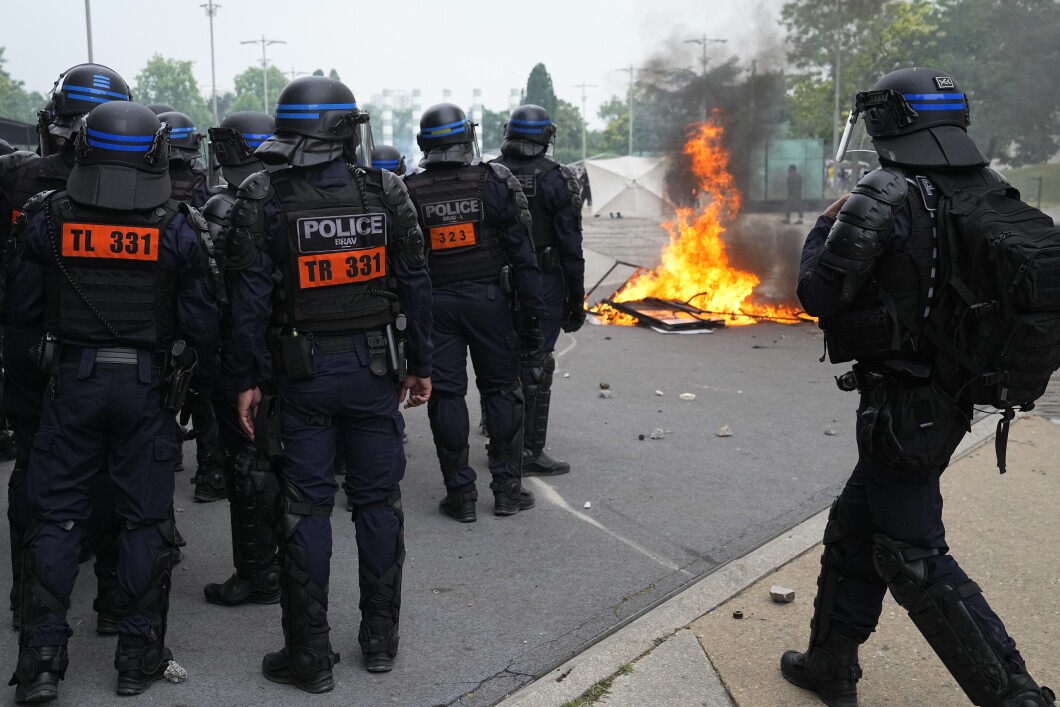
(293, 509)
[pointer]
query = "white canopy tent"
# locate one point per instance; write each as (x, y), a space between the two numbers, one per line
(632, 186)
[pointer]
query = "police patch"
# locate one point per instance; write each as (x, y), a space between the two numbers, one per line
(529, 183)
(329, 234)
(454, 211)
(943, 82)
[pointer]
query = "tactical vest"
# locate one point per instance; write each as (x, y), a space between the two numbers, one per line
(107, 287)
(462, 244)
(903, 287)
(336, 279)
(35, 176)
(185, 181)
(530, 173)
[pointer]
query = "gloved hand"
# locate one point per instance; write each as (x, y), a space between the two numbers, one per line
(530, 337)
(199, 411)
(575, 316)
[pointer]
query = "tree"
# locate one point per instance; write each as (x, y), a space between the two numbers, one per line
(492, 129)
(249, 89)
(569, 122)
(539, 89)
(15, 102)
(172, 81)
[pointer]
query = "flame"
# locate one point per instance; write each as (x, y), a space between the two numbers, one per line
(695, 267)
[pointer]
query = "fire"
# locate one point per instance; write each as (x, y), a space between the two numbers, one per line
(695, 267)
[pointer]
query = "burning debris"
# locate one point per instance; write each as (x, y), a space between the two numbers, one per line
(695, 288)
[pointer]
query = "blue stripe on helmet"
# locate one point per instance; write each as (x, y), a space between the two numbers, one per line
(316, 106)
(447, 125)
(530, 122)
(531, 131)
(385, 164)
(90, 99)
(121, 138)
(256, 136)
(298, 116)
(254, 143)
(937, 106)
(96, 91)
(181, 132)
(933, 96)
(121, 148)
(439, 132)
(100, 78)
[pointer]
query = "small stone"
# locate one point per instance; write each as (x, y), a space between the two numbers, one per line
(657, 433)
(587, 505)
(566, 375)
(175, 673)
(607, 338)
(605, 394)
(723, 431)
(737, 614)
(604, 385)
(178, 509)
(830, 432)
(781, 595)
(659, 392)
(687, 396)
(640, 437)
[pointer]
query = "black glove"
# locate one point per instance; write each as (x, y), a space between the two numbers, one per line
(199, 411)
(575, 316)
(530, 338)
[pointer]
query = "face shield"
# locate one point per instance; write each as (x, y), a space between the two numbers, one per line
(856, 155)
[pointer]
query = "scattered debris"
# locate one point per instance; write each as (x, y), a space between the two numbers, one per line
(830, 432)
(640, 437)
(737, 614)
(687, 396)
(605, 393)
(566, 375)
(175, 673)
(781, 595)
(659, 392)
(178, 509)
(723, 431)
(587, 505)
(657, 433)
(604, 385)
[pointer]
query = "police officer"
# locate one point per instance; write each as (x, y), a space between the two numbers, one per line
(338, 250)
(186, 170)
(389, 158)
(78, 90)
(113, 272)
(477, 224)
(555, 207)
(248, 476)
(868, 268)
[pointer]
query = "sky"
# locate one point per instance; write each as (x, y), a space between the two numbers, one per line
(397, 44)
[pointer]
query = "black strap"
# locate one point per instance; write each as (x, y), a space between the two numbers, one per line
(1001, 439)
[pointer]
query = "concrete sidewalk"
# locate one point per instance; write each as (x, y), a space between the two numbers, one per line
(692, 651)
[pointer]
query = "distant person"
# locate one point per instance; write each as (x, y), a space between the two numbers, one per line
(587, 192)
(794, 204)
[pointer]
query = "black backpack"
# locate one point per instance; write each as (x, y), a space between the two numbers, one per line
(994, 327)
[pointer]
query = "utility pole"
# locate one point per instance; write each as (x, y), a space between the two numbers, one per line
(631, 71)
(584, 86)
(703, 42)
(294, 74)
(88, 28)
(211, 10)
(838, 73)
(264, 66)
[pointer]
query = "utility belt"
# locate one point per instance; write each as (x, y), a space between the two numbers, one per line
(294, 349)
(548, 259)
(872, 379)
(117, 355)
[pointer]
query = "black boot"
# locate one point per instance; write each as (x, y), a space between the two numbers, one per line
(140, 666)
(542, 464)
(38, 673)
(509, 497)
(830, 668)
(306, 665)
(209, 483)
(262, 589)
(380, 601)
(459, 504)
(378, 636)
(1024, 692)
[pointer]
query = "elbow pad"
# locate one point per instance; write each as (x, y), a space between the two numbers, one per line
(246, 221)
(862, 228)
(575, 190)
(515, 193)
(409, 235)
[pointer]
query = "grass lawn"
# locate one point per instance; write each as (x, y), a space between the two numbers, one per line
(1026, 180)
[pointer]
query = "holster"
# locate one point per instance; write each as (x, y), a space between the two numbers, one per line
(296, 354)
(548, 259)
(180, 365)
(48, 350)
(395, 343)
(379, 357)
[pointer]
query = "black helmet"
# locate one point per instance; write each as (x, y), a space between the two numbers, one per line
(389, 158)
(160, 108)
(532, 123)
(184, 139)
(216, 211)
(919, 117)
(77, 91)
(232, 144)
(321, 109)
(122, 159)
(446, 135)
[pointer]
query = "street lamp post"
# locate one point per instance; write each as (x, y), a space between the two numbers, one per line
(584, 86)
(703, 42)
(631, 71)
(838, 59)
(264, 66)
(211, 10)
(88, 28)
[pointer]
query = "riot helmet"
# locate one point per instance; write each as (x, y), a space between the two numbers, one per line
(917, 117)
(446, 135)
(121, 159)
(160, 108)
(388, 158)
(6, 148)
(317, 120)
(216, 211)
(232, 144)
(528, 132)
(77, 91)
(185, 141)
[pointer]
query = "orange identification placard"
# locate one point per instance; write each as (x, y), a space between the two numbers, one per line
(97, 240)
(456, 235)
(342, 268)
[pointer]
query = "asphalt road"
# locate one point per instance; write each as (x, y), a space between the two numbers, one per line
(488, 606)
